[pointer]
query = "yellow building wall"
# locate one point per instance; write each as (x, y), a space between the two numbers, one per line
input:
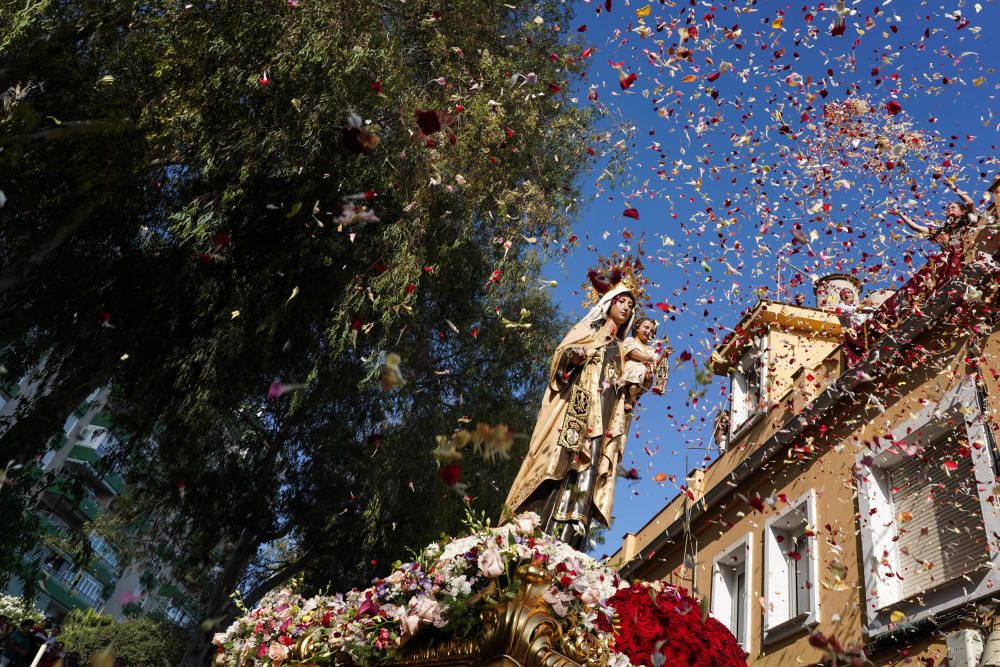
(794, 357)
(823, 459)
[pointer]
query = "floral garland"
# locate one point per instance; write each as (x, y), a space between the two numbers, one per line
(444, 590)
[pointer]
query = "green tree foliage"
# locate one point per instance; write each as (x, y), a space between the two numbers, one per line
(140, 641)
(180, 181)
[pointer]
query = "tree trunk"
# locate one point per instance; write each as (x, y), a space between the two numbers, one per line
(218, 603)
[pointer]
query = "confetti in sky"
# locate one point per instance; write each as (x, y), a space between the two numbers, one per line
(749, 147)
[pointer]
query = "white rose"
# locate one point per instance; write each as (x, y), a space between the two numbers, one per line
(527, 523)
(491, 563)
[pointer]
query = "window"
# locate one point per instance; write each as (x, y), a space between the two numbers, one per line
(930, 510)
(178, 616)
(748, 384)
(731, 590)
(97, 438)
(89, 588)
(791, 570)
(103, 549)
(924, 498)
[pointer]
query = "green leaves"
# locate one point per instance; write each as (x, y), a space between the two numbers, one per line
(230, 123)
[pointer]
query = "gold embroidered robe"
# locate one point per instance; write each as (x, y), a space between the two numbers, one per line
(571, 415)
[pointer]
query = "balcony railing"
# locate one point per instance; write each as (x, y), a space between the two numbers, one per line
(90, 504)
(57, 527)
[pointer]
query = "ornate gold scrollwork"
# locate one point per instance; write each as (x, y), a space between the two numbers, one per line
(521, 631)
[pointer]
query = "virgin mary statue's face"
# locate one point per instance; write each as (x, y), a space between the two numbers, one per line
(621, 309)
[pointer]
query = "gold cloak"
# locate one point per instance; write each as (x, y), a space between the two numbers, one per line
(571, 415)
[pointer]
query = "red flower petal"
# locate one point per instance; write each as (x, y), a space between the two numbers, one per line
(428, 121)
(893, 107)
(631, 213)
(450, 474)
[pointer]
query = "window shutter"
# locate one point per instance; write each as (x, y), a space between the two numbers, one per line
(738, 399)
(946, 537)
(762, 366)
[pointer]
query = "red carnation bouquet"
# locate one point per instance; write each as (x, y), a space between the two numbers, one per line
(653, 621)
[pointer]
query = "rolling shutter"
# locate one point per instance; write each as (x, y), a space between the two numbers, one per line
(946, 537)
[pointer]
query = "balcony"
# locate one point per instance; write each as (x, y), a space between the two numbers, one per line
(53, 526)
(85, 461)
(64, 586)
(66, 490)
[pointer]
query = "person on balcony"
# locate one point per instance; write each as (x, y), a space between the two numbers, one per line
(960, 216)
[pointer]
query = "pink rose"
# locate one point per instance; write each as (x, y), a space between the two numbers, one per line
(427, 610)
(491, 563)
(278, 653)
(411, 622)
(527, 523)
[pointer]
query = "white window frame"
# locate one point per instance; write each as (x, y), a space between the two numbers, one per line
(103, 549)
(738, 556)
(88, 582)
(98, 438)
(883, 595)
(778, 620)
(753, 362)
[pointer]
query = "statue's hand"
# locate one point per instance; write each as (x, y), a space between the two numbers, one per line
(576, 356)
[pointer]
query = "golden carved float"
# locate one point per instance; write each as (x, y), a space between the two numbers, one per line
(520, 632)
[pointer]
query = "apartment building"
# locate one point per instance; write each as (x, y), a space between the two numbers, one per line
(76, 487)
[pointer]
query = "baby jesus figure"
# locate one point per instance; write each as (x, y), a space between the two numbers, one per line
(640, 361)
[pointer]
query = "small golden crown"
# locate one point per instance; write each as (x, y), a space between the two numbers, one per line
(613, 271)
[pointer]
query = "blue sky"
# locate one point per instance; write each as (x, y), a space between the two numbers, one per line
(719, 154)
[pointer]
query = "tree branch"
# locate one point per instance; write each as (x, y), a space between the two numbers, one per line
(283, 574)
(13, 278)
(68, 129)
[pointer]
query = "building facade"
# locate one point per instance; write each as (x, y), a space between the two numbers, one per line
(856, 492)
(76, 487)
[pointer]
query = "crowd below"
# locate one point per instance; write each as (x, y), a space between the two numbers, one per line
(22, 642)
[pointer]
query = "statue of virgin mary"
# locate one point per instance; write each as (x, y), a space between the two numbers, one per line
(568, 475)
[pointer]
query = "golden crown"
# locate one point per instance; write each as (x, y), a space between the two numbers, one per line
(612, 271)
